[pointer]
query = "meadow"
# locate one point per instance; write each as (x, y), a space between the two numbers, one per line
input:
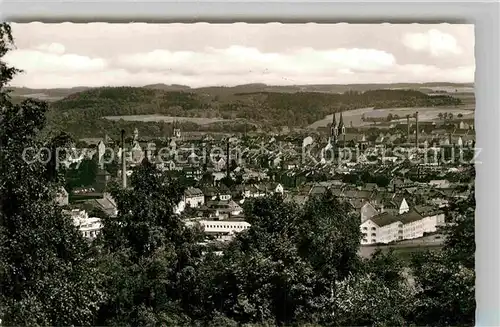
(425, 114)
(167, 119)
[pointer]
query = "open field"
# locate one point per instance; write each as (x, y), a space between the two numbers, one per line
(405, 249)
(452, 89)
(403, 252)
(167, 119)
(425, 114)
(41, 96)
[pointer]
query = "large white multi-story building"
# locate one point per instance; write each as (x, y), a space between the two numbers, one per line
(222, 230)
(387, 228)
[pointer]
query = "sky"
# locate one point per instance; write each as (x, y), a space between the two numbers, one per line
(203, 54)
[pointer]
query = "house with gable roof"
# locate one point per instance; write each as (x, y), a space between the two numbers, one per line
(387, 227)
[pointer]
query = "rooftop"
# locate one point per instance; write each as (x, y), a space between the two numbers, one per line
(384, 219)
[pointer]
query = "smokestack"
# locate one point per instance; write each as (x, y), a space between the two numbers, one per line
(205, 159)
(124, 165)
(227, 160)
(237, 156)
(408, 127)
(416, 132)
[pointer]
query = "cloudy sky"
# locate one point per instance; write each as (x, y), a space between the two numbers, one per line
(100, 54)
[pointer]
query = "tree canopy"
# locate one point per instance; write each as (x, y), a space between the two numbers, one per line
(46, 271)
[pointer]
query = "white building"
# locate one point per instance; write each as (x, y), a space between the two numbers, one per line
(257, 175)
(463, 125)
(403, 207)
(224, 194)
(278, 188)
(370, 232)
(193, 197)
(432, 219)
(367, 211)
(440, 183)
(387, 228)
(220, 164)
(89, 226)
(252, 191)
(136, 153)
(75, 155)
(223, 230)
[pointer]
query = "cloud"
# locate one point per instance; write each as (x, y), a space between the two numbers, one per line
(425, 73)
(120, 77)
(238, 60)
(55, 48)
(433, 41)
(50, 65)
(51, 58)
(221, 54)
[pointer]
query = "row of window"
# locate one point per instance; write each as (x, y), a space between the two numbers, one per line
(227, 226)
(91, 234)
(393, 229)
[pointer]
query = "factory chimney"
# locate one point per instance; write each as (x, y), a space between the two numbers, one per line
(124, 165)
(227, 160)
(416, 131)
(408, 128)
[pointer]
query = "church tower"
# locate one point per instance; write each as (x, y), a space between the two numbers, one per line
(136, 135)
(177, 131)
(341, 128)
(333, 130)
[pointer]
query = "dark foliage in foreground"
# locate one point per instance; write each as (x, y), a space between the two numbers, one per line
(47, 274)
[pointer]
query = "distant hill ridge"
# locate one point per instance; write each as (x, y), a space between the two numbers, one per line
(58, 93)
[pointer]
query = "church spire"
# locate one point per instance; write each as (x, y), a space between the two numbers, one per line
(341, 127)
(333, 128)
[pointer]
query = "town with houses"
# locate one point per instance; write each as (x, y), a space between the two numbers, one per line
(399, 198)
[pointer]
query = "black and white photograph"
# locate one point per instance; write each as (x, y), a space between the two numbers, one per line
(226, 175)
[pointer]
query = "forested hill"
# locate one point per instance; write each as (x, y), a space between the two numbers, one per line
(275, 108)
(59, 93)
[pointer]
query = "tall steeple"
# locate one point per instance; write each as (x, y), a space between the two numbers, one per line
(341, 127)
(333, 130)
(136, 135)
